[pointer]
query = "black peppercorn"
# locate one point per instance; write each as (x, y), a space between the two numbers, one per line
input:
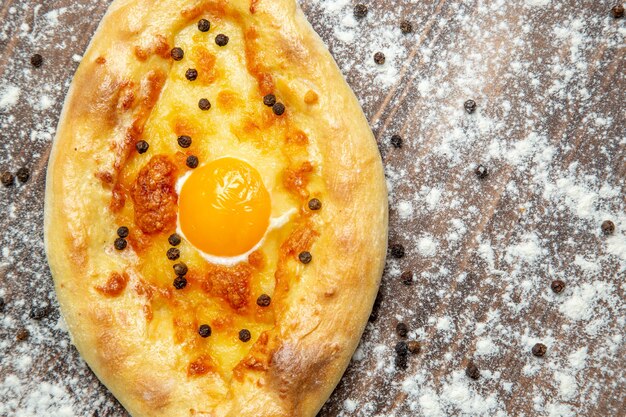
(192, 161)
(401, 362)
(184, 141)
(2, 305)
(36, 60)
(142, 146)
(557, 286)
(481, 171)
(204, 330)
(244, 335)
(397, 251)
(269, 100)
(177, 54)
(38, 313)
(264, 300)
(396, 141)
(278, 109)
(180, 269)
(360, 11)
(305, 257)
(414, 347)
(204, 104)
(23, 174)
(221, 40)
(174, 239)
(180, 282)
(402, 329)
(407, 278)
(470, 106)
(173, 254)
(191, 74)
(472, 371)
(315, 204)
(406, 27)
(401, 348)
(617, 11)
(123, 231)
(379, 58)
(120, 243)
(539, 349)
(204, 25)
(608, 227)
(7, 179)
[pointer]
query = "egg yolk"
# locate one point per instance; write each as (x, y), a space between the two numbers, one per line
(224, 207)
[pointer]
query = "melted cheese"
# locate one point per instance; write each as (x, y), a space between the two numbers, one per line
(239, 125)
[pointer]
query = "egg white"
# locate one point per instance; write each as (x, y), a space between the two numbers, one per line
(275, 223)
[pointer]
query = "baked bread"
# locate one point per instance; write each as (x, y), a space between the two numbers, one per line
(216, 210)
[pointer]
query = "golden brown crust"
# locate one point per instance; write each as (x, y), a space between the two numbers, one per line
(113, 305)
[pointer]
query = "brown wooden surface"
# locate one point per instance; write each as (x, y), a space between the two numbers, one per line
(545, 74)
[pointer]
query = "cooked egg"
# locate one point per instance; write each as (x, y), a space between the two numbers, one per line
(224, 210)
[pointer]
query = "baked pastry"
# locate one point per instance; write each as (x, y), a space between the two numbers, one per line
(216, 210)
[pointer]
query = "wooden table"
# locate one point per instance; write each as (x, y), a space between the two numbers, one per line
(548, 78)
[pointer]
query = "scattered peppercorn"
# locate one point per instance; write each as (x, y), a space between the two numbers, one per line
(22, 334)
(397, 250)
(401, 348)
(379, 58)
(204, 104)
(472, 371)
(204, 25)
(192, 161)
(396, 141)
(305, 257)
(23, 174)
(180, 282)
(470, 106)
(557, 286)
(278, 109)
(402, 351)
(174, 239)
(618, 11)
(269, 100)
(123, 231)
(406, 27)
(608, 227)
(481, 171)
(315, 204)
(7, 179)
(360, 11)
(401, 362)
(184, 141)
(177, 54)
(244, 335)
(539, 350)
(36, 60)
(402, 329)
(191, 74)
(414, 347)
(204, 330)
(264, 300)
(173, 254)
(407, 277)
(142, 146)
(180, 269)
(2, 304)
(221, 40)
(38, 313)
(120, 243)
